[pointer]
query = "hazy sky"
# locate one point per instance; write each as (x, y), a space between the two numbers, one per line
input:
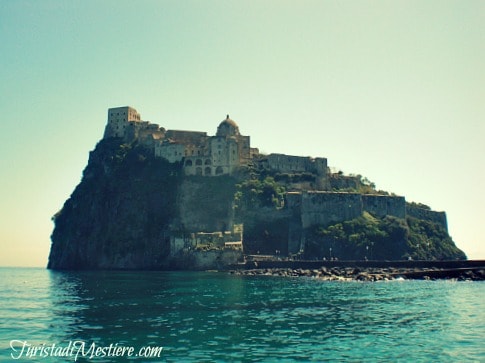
(392, 90)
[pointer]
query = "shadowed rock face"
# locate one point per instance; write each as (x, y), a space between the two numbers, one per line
(129, 204)
(119, 215)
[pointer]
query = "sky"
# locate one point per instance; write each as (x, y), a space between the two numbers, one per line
(391, 90)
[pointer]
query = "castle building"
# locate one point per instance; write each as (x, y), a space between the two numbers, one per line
(204, 155)
(119, 119)
(200, 154)
(219, 154)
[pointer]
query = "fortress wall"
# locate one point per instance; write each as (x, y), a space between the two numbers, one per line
(206, 205)
(325, 208)
(295, 230)
(320, 165)
(428, 215)
(383, 205)
(318, 208)
(287, 163)
(300, 164)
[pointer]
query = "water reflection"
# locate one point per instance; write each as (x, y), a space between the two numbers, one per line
(143, 308)
(219, 317)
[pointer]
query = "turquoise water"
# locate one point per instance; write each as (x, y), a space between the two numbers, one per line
(216, 317)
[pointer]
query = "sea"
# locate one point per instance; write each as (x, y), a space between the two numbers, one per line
(115, 316)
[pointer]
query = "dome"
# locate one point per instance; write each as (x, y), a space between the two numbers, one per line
(230, 122)
(227, 128)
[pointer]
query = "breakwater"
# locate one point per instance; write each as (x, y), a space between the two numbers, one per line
(473, 270)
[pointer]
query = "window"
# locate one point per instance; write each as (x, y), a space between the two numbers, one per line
(207, 171)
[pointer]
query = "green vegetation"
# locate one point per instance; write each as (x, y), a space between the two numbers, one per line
(295, 178)
(353, 184)
(254, 193)
(418, 205)
(430, 240)
(388, 238)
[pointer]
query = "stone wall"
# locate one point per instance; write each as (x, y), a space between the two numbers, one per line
(427, 215)
(324, 208)
(338, 181)
(384, 205)
(206, 204)
(118, 119)
(173, 152)
(187, 137)
(296, 164)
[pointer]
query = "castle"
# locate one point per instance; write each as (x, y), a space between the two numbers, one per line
(316, 201)
(201, 154)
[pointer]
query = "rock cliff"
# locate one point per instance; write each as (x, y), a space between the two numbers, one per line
(131, 206)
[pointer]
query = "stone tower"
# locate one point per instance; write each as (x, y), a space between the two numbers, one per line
(119, 119)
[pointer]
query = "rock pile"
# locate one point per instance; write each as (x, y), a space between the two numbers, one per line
(369, 274)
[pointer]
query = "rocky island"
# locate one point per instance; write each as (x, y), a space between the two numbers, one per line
(159, 199)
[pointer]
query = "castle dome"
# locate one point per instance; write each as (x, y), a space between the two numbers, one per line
(227, 128)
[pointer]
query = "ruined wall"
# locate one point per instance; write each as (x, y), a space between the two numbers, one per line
(383, 205)
(428, 215)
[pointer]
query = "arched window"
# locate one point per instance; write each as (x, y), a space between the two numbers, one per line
(208, 162)
(198, 171)
(219, 170)
(207, 171)
(198, 162)
(188, 163)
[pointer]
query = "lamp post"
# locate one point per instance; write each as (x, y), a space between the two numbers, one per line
(330, 249)
(366, 251)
